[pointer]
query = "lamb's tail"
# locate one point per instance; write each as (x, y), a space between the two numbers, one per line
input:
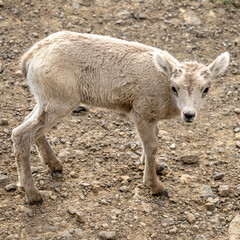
(24, 62)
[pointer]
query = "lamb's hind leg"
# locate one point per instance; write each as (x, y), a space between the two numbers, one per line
(23, 136)
(47, 155)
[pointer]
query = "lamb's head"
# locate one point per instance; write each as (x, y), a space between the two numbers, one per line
(189, 81)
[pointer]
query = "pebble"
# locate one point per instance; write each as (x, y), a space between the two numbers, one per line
(190, 218)
(11, 187)
(3, 178)
(124, 189)
(234, 229)
(56, 175)
(78, 233)
(190, 159)
(173, 146)
(1, 4)
(210, 206)
(35, 34)
(107, 235)
(147, 207)
(66, 235)
(64, 153)
(238, 144)
(195, 228)
(79, 153)
(35, 169)
(237, 110)
(173, 230)
(223, 190)
(200, 237)
(237, 136)
(186, 179)
(218, 176)
(190, 17)
(3, 122)
(142, 15)
(73, 174)
(79, 217)
(206, 191)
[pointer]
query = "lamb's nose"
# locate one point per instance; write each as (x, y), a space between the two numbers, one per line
(189, 117)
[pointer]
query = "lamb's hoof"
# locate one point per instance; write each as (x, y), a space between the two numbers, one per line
(165, 193)
(40, 201)
(56, 167)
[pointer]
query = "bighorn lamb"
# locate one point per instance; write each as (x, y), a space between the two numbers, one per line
(67, 69)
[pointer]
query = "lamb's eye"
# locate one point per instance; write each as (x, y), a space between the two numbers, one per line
(205, 90)
(174, 90)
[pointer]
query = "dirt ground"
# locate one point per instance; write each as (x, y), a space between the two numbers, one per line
(100, 194)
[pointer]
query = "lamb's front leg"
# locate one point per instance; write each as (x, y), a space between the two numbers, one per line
(147, 134)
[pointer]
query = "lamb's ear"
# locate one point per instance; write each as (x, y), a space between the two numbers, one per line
(219, 65)
(164, 62)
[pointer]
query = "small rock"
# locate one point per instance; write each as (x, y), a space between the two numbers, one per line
(190, 17)
(84, 184)
(173, 146)
(147, 207)
(234, 229)
(89, 30)
(236, 3)
(190, 159)
(78, 233)
(1, 4)
(173, 230)
(25, 210)
(162, 167)
(185, 178)
(191, 218)
(75, 5)
(11, 187)
(218, 176)
(223, 190)
(237, 136)
(107, 235)
(56, 175)
(236, 130)
(66, 235)
(64, 153)
(206, 191)
(72, 210)
(125, 179)
(79, 153)
(142, 15)
(35, 169)
(4, 122)
(35, 34)
(237, 110)
(3, 178)
(124, 189)
(79, 217)
(210, 206)
(73, 174)
(200, 237)
(238, 144)
(195, 228)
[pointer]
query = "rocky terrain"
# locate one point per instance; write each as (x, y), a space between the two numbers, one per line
(100, 194)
